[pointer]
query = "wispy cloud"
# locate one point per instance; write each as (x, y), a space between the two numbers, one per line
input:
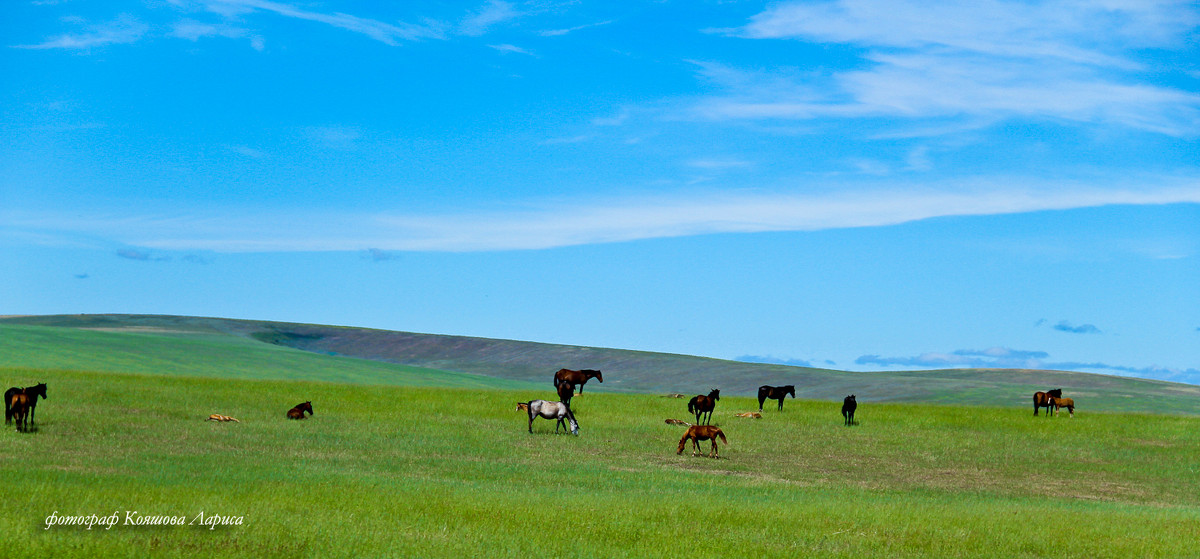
(493, 13)
(140, 255)
(1073, 61)
(194, 31)
(591, 221)
(773, 360)
(510, 49)
(387, 33)
(1065, 326)
(124, 29)
(561, 32)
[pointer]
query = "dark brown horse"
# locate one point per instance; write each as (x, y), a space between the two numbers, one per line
(697, 433)
(19, 404)
(1042, 400)
(566, 390)
(33, 392)
(774, 393)
(298, 411)
(849, 404)
(701, 405)
(577, 378)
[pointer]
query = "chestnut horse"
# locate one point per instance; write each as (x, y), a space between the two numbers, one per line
(1042, 400)
(578, 378)
(699, 433)
(550, 410)
(849, 404)
(19, 404)
(33, 392)
(774, 393)
(1063, 403)
(701, 405)
(298, 411)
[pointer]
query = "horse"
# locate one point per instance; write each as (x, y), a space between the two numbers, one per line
(39, 390)
(774, 393)
(699, 433)
(1063, 403)
(849, 404)
(749, 415)
(566, 390)
(219, 417)
(551, 410)
(700, 405)
(298, 411)
(578, 378)
(670, 421)
(1042, 400)
(19, 405)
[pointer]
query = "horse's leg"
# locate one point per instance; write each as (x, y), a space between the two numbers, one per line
(780, 405)
(715, 453)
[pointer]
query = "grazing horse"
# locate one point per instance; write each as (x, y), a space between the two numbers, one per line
(1063, 403)
(578, 378)
(33, 392)
(551, 410)
(566, 390)
(19, 404)
(298, 411)
(699, 433)
(849, 404)
(774, 393)
(701, 405)
(219, 417)
(1042, 400)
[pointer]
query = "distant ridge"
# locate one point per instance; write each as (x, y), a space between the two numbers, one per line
(649, 372)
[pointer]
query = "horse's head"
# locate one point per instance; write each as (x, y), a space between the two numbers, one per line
(39, 390)
(715, 394)
(1057, 393)
(590, 373)
(790, 389)
(306, 406)
(850, 398)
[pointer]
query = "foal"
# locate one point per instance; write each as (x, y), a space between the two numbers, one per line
(298, 411)
(699, 433)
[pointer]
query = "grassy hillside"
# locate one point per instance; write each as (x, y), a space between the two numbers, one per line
(404, 471)
(626, 371)
(205, 354)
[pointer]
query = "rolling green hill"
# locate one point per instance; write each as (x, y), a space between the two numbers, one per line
(257, 349)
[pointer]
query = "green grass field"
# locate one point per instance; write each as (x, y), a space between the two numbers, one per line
(409, 462)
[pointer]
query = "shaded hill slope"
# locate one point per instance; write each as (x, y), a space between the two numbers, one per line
(648, 372)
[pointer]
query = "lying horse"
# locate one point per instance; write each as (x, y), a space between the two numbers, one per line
(849, 404)
(774, 393)
(1042, 400)
(219, 417)
(551, 410)
(19, 404)
(1063, 403)
(33, 392)
(578, 378)
(749, 414)
(699, 433)
(701, 405)
(298, 411)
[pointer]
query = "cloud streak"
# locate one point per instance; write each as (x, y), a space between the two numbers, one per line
(125, 29)
(542, 226)
(998, 60)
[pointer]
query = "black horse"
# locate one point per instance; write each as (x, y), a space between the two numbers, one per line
(848, 407)
(774, 393)
(33, 392)
(701, 405)
(298, 411)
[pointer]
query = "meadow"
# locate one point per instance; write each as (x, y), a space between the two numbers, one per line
(450, 471)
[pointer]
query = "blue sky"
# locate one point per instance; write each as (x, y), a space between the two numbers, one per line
(859, 184)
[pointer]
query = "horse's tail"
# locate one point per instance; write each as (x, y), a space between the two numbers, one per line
(8, 409)
(692, 405)
(721, 434)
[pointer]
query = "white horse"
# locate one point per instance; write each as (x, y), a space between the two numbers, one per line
(551, 410)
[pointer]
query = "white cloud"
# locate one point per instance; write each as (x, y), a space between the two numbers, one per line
(983, 60)
(388, 33)
(494, 13)
(124, 29)
(541, 226)
(513, 49)
(561, 32)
